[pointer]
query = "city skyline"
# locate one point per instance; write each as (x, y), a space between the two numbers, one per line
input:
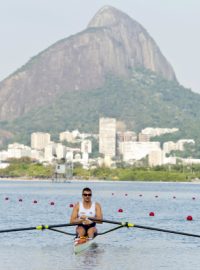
(124, 146)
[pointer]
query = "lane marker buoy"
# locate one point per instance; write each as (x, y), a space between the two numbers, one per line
(189, 218)
(151, 214)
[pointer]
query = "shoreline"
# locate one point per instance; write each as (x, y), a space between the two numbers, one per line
(68, 181)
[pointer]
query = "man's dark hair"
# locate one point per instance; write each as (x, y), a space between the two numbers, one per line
(86, 189)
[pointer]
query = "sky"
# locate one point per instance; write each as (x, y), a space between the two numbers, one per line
(27, 27)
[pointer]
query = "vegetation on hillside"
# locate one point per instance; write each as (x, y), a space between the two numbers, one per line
(142, 100)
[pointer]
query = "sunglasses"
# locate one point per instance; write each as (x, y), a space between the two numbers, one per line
(87, 194)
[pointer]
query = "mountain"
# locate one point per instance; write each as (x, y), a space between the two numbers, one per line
(112, 68)
(112, 43)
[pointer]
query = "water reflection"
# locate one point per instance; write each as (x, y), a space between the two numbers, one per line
(89, 259)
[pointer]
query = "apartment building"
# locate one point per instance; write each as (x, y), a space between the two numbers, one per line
(137, 150)
(17, 150)
(156, 158)
(39, 140)
(69, 136)
(126, 136)
(107, 136)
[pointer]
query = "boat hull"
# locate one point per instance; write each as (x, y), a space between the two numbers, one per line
(81, 244)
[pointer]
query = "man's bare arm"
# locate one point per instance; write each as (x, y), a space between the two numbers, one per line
(99, 214)
(74, 216)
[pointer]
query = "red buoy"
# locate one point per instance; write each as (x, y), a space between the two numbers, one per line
(151, 214)
(120, 210)
(71, 205)
(189, 218)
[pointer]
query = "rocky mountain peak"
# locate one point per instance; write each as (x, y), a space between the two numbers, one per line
(108, 17)
(139, 47)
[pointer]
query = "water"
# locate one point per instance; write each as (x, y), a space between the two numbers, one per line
(126, 249)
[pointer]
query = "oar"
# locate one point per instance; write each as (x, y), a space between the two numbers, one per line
(40, 227)
(127, 224)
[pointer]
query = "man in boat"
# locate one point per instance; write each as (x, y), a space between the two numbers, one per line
(84, 210)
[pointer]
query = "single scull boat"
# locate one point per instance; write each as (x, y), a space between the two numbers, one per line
(83, 243)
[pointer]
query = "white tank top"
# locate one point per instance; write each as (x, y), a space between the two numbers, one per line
(90, 212)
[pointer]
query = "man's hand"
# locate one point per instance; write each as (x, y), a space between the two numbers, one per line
(83, 217)
(85, 220)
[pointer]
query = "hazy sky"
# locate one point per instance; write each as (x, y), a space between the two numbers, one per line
(29, 26)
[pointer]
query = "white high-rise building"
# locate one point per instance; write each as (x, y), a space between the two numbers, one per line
(60, 151)
(156, 158)
(39, 140)
(50, 151)
(107, 136)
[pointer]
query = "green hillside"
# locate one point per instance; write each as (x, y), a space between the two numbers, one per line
(140, 101)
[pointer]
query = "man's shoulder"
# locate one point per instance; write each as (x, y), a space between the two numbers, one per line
(76, 204)
(97, 204)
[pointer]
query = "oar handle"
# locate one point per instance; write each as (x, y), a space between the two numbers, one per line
(105, 220)
(62, 225)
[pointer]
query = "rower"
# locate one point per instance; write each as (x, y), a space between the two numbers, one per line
(84, 210)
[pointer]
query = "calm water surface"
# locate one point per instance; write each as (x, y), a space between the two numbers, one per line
(132, 248)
